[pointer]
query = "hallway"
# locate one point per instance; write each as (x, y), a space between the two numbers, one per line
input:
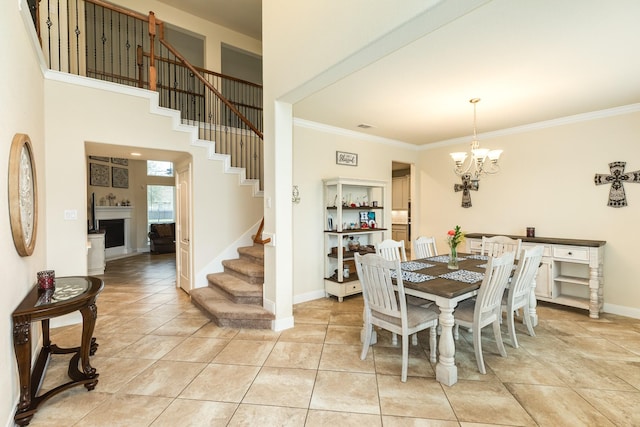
(162, 363)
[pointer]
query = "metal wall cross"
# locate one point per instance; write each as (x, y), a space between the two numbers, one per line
(466, 186)
(617, 197)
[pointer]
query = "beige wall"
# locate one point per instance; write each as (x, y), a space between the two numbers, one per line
(546, 181)
(21, 111)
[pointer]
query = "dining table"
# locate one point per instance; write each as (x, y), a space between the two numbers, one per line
(431, 279)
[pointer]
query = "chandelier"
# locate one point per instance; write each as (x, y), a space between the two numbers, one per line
(482, 161)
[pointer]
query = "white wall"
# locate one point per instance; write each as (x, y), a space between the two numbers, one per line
(546, 182)
(21, 111)
(119, 115)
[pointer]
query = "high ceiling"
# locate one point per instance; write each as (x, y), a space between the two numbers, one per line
(528, 61)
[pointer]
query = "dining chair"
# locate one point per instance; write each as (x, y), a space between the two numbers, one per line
(391, 249)
(487, 307)
(385, 306)
(497, 245)
(425, 247)
(519, 293)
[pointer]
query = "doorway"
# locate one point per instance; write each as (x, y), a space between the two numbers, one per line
(401, 203)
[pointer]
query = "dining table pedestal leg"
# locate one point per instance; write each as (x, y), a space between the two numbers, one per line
(446, 369)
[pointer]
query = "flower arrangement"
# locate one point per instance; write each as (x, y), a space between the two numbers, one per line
(454, 238)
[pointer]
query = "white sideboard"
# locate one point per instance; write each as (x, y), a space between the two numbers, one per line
(571, 272)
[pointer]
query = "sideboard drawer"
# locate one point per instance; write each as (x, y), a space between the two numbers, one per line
(571, 253)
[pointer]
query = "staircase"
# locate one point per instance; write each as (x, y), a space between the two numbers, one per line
(234, 297)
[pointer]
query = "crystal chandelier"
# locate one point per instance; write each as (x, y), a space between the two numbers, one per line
(478, 164)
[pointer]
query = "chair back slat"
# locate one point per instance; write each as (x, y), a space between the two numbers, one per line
(391, 250)
(526, 272)
(489, 299)
(377, 285)
(497, 245)
(425, 247)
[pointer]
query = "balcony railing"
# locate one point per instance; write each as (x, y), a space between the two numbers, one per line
(100, 40)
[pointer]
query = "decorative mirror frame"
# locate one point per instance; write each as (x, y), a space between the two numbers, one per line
(23, 195)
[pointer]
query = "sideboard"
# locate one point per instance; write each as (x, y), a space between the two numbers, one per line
(571, 272)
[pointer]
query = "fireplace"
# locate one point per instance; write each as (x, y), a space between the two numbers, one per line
(114, 232)
(115, 220)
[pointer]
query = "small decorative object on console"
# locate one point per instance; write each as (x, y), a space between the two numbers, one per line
(46, 280)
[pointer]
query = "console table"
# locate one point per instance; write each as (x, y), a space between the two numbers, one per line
(71, 294)
(571, 272)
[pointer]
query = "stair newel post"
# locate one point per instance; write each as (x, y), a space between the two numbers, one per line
(152, 45)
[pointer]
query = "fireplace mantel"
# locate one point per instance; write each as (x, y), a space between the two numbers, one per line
(113, 212)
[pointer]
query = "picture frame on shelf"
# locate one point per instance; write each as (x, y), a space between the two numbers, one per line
(119, 177)
(98, 175)
(347, 159)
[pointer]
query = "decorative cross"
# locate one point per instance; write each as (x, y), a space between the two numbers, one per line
(465, 187)
(617, 197)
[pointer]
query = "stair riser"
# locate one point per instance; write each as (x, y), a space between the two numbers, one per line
(234, 323)
(238, 299)
(254, 280)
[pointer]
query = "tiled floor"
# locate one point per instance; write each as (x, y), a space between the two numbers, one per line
(162, 363)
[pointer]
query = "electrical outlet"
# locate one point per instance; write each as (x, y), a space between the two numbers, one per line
(70, 214)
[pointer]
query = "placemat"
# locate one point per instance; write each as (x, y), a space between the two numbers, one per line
(480, 257)
(412, 277)
(414, 265)
(464, 276)
(443, 258)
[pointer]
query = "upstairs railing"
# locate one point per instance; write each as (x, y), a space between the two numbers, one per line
(100, 40)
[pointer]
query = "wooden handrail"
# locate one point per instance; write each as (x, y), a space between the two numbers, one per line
(212, 89)
(258, 237)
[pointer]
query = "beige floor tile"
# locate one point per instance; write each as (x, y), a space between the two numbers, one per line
(557, 406)
(295, 355)
(319, 316)
(471, 400)
(257, 415)
(124, 410)
(418, 397)
(112, 344)
(343, 419)
(68, 407)
(520, 367)
(583, 372)
(388, 361)
(258, 335)
(392, 421)
(197, 350)
(164, 378)
(195, 413)
(116, 372)
(211, 330)
(282, 387)
(150, 347)
(338, 357)
(180, 326)
(222, 383)
(244, 352)
(303, 332)
(338, 334)
(620, 407)
(346, 392)
(346, 318)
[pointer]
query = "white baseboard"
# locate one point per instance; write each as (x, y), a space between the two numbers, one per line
(309, 296)
(621, 310)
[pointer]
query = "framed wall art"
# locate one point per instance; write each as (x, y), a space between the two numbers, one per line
(100, 159)
(119, 177)
(119, 161)
(23, 195)
(348, 159)
(98, 175)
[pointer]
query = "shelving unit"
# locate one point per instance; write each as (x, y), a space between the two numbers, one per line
(571, 272)
(349, 205)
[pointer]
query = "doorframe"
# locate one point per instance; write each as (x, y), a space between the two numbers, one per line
(184, 171)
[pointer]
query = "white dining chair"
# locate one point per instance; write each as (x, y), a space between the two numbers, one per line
(391, 249)
(486, 309)
(425, 247)
(385, 306)
(497, 245)
(519, 293)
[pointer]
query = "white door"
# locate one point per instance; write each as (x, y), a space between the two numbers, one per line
(183, 260)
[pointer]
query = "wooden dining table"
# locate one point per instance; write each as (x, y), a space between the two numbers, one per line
(446, 288)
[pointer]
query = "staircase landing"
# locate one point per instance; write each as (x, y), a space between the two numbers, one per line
(233, 298)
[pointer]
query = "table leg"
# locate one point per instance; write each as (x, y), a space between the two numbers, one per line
(22, 348)
(594, 293)
(89, 316)
(446, 369)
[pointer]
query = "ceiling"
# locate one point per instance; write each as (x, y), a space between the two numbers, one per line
(527, 61)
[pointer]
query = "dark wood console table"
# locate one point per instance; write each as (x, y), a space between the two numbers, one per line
(71, 294)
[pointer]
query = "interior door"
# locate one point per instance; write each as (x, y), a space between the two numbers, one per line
(183, 260)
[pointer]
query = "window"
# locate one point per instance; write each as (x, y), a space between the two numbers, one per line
(157, 168)
(160, 203)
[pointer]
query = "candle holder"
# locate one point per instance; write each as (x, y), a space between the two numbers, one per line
(46, 280)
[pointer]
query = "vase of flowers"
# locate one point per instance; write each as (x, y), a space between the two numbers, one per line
(454, 238)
